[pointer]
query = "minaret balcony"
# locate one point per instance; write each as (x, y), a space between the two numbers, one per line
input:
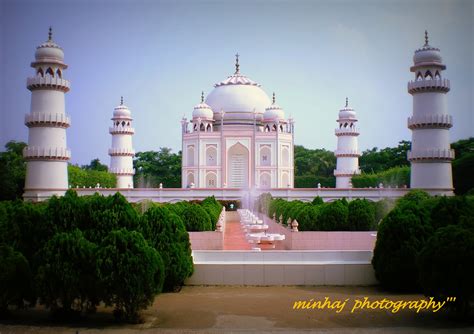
(347, 132)
(430, 155)
(122, 171)
(121, 152)
(47, 119)
(443, 121)
(347, 153)
(346, 172)
(434, 85)
(48, 82)
(124, 130)
(46, 153)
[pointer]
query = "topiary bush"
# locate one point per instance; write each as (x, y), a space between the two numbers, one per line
(65, 277)
(401, 236)
(361, 215)
(165, 231)
(334, 216)
(15, 279)
(213, 209)
(317, 201)
(446, 266)
(308, 218)
(451, 210)
(131, 273)
(196, 218)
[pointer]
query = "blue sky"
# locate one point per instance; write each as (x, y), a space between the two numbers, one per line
(160, 54)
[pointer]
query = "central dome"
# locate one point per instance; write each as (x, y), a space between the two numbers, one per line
(238, 97)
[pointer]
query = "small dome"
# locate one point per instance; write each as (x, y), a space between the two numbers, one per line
(203, 111)
(273, 113)
(122, 111)
(49, 51)
(427, 55)
(347, 112)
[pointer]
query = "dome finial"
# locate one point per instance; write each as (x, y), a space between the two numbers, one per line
(50, 34)
(426, 37)
(202, 97)
(347, 101)
(237, 71)
(121, 100)
(273, 98)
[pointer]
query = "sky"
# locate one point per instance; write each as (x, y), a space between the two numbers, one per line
(160, 55)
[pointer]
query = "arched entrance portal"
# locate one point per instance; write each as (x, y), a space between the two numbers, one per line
(238, 166)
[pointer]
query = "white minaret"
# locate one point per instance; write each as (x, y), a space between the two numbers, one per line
(46, 154)
(347, 152)
(122, 153)
(430, 154)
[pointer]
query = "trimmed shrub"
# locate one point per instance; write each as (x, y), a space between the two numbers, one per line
(462, 173)
(213, 209)
(446, 266)
(393, 177)
(401, 236)
(26, 227)
(196, 218)
(414, 196)
(317, 201)
(334, 216)
(165, 231)
(66, 273)
(131, 273)
(361, 215)
(450, 210)
(308, 218)
(15, 279)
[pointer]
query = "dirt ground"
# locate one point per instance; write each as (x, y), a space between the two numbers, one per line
(253, 309)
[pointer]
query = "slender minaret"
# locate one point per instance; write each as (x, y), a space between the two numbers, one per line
(430, 154)
(347, 152)
(46, 154)
(122, 153)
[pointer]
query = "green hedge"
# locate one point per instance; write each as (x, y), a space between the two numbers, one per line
(358, 215)
(393, 177)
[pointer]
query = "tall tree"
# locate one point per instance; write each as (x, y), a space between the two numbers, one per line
(153, 168)
(12, 171)
(375, 160)
(96, 165)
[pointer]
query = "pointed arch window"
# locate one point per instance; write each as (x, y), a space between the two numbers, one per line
(58, 73)
(437, 75)
(428, 75)
(50, 71)
(40, 72)
(419, 76)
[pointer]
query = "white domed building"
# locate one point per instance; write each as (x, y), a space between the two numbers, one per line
(237, 138)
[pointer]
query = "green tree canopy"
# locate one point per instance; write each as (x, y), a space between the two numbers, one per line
(95, 164)
(153, 168)
(12, 171)
(375, 160)
(131, 272)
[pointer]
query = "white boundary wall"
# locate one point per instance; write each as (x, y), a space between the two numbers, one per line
(282, 268)
(245, 195)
